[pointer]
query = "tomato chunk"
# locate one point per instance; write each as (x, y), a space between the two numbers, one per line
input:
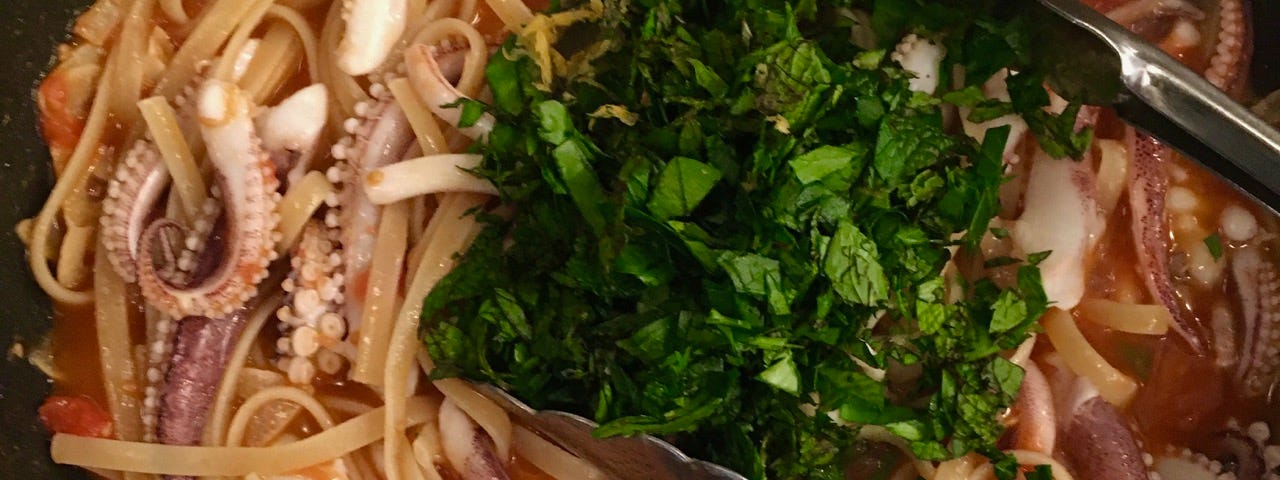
(59, 124)
(76, 416)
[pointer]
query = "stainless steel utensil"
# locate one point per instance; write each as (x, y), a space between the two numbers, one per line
(641, 457)
(1096, 61)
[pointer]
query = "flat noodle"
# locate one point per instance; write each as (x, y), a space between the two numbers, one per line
(447, 172)
(1113, 171)
(552, 459)
(513, 13)
(423, 208)
(76, 245)
(298, 205)
(215, 432)
(128, 55)
(336, 442)
(421, 120)
(436, 9)
(1115, 387)
(77, 169)
(97, 23)
(215, 26)
(1136, 318)
(492, 418)
(420, 248)
(409, 465)
(305, 34)
(275, 58)
(427, 449)
(115, 351)
(226, 66)
(385, 271)
(285, 393)
(174, 11)
(457, 232)
(361, 463)
(188, 182)
(1022, 354)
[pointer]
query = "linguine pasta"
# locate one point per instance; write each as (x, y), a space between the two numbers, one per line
(270, 49)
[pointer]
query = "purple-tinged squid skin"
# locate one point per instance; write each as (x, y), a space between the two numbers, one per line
(1258, 292)
(474, 460)
(1148, 184)
(1097, 444)
(485, 464)
(201, 348)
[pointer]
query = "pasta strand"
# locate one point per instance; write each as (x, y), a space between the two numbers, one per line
(189, 184)
(385, 271)
(115, 351)
(157, 458)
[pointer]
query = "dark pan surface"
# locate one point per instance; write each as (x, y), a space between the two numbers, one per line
(29, 31)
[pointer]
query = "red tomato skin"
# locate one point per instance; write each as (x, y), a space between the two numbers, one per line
(76, 416)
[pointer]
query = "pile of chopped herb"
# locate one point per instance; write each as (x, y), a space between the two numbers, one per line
(729, 216)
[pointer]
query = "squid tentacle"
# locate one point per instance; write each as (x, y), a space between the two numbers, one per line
(1148, 185)
(248, 182)
(311, 323)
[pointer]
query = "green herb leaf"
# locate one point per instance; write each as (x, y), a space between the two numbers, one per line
(852, 265)
(1214, 243)
(681, 186)
(722, 214)
(783, 375)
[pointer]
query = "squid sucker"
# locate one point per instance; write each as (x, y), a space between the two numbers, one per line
(1258, 284)
(246, 179)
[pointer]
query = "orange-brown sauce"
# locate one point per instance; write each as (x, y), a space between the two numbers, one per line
(74, 345)
(1183, 397)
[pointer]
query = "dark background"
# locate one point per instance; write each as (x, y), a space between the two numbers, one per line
(29, 30)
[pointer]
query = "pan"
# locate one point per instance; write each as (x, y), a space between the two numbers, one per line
(29, 33)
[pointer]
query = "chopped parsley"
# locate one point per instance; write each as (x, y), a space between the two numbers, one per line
(1214, 244)
(729, 217)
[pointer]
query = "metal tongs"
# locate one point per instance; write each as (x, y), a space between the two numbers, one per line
(641, 457)
(1093, 60)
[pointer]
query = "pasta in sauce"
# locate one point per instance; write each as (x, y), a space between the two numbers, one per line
(272, 51)
(182, 130)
